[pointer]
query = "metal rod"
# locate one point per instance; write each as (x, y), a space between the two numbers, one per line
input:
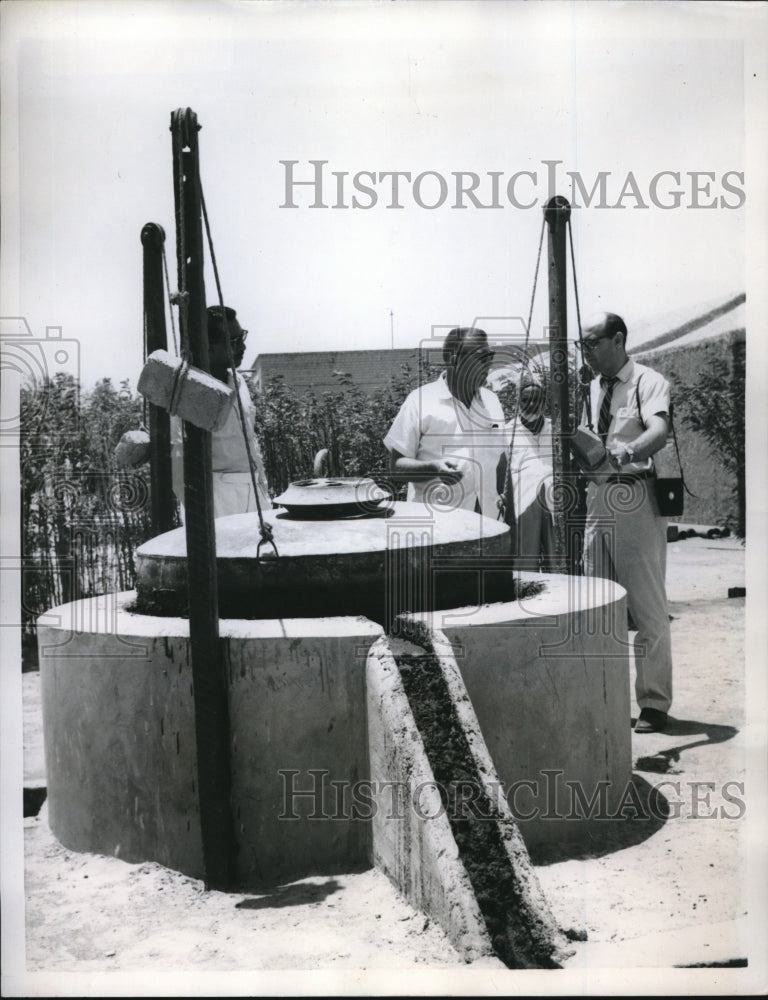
(557, 212)
(209, 678)
(162, 503)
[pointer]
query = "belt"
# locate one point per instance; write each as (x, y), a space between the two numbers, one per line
(629, 478)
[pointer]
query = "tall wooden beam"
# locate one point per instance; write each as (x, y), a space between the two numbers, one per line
(163, 507)
(556, 214)
(208, 671)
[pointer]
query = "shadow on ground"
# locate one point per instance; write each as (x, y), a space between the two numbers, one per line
(732, 963)
(642, 811)
(298, 894)
(33, 800)
(665, 761)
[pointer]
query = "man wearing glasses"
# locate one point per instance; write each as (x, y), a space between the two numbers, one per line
(447, 439)
(625, 538)
(232, 485)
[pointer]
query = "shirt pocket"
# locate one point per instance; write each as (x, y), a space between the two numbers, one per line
(627, 423)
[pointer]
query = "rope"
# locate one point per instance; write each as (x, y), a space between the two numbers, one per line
(523, 368)
(179, 375)
(144, 344)
(171, 299)
(265, 529)
(585, 372)
(181, 298)
(573, 272)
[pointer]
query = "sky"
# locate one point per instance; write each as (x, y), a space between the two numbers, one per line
(637, 93)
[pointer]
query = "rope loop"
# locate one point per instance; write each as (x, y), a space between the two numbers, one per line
(179, 376)
(267, 538)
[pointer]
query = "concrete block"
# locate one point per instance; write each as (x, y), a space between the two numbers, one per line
(193, 395)
(132, 449)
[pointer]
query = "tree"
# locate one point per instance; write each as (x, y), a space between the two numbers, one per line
(714, 405)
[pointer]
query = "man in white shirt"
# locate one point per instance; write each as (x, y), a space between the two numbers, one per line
(448, 436)
(531, 473)
(625, 537)
(232, 485)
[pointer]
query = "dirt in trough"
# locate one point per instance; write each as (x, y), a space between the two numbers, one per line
(519, 941)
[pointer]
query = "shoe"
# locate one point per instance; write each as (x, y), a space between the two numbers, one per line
(651, 720)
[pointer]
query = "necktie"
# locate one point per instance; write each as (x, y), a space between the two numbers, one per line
(604, 421)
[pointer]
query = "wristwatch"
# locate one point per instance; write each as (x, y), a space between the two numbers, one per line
(630, 451)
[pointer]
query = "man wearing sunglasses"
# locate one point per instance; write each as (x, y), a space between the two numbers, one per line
(625, 537)
(447, 439)
(232, 485)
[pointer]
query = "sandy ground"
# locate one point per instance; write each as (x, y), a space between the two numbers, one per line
(674, 895)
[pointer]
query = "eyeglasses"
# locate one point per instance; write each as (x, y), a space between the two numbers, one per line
(241, 336)
(591, 343)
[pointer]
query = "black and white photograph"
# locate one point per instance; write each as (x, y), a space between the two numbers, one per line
(383, 497)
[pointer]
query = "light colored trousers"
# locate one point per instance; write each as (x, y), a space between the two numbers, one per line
(232, 494)
(534, 536)
(626, 540)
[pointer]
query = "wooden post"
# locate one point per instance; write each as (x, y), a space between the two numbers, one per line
(163, 508)
(208, 671)
(557, 212)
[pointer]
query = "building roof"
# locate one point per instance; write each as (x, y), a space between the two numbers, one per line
(325, 371)
(680, 329)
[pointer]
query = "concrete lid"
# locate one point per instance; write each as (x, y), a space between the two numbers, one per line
(238, 536)
(358, 565)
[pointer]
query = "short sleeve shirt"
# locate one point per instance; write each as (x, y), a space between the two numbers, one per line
(433, 425)
(639, 394)
(530, 464)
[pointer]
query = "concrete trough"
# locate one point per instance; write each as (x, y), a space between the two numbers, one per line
(442, 830)
(548, 677)
(411, 838)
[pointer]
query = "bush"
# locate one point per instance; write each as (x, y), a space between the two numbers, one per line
(714, 406)
(348, 423)
(82, 518)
